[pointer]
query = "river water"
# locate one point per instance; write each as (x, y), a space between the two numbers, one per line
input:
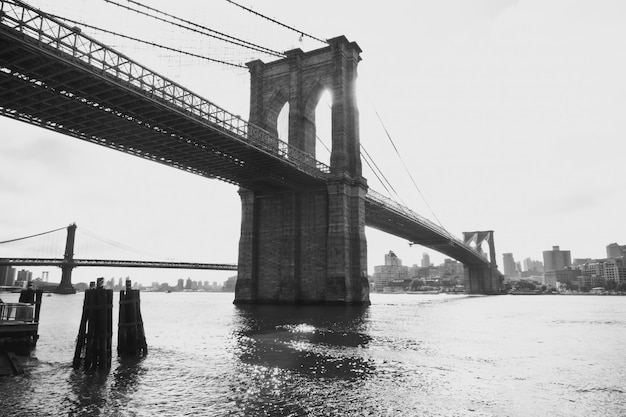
(405, 355)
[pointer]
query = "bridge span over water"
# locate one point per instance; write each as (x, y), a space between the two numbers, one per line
(302, 236)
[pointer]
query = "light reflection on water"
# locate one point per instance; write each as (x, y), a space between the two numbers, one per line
(423, 355)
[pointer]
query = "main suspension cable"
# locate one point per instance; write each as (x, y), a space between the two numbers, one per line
(28, 237)
(202, 29)
(301, 33)
(147, 42)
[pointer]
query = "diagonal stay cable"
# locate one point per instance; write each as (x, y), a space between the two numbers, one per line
(378, 173)
(367, 160)
(394, 192)
(407, 170)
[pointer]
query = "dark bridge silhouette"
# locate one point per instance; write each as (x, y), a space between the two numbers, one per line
(68, 263)
(302, 236)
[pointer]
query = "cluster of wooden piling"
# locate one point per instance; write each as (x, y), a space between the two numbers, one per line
(93, 346)
(131, 339)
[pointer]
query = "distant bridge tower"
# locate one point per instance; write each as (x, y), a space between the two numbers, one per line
(307, 245)
(65, 287)
(482, 279)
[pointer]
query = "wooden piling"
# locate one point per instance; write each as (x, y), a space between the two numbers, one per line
(95, 331)
(131, 339)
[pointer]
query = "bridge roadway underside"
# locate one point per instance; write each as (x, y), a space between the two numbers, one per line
(396, 224)
(51, 89)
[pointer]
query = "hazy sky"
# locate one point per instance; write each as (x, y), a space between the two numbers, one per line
(508, 114)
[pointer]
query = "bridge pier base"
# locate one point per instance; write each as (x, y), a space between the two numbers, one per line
(304, 247)
(482, 279)
(65, 286)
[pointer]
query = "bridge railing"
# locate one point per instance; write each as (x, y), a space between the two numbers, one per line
(50, 31)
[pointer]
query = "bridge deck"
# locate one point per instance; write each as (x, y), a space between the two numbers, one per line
(114, 263)
(69, 83)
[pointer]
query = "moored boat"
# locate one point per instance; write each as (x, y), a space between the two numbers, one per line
(19, 324)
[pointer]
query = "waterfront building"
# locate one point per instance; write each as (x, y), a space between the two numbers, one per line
(592, 274)
(391, 275)
(7, 276)
(564, 276)
(509, 265)
(614, 250)
(615, 270)
(608, 273)
(425, 260)
(556, 259)
(453, 272)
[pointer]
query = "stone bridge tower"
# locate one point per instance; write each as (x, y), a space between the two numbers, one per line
(307, 245)
(483, 279)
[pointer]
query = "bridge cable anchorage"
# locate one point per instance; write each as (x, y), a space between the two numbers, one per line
(110, 32)
(28, 237)
(409, 172)
(205, 30)
(301, 33)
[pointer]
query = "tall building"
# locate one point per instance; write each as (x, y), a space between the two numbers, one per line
(385, 275)
(530, 265)
(509, 265)
(7, 276)
(425, 260)
(556, 259)
(23, 276)
(614, 250)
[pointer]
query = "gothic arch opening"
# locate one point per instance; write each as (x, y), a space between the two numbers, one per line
(323, 127)
(282, 123)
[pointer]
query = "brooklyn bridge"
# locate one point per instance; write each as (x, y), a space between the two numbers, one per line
(303, 222)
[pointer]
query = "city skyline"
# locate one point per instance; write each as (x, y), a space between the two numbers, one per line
(506, 114)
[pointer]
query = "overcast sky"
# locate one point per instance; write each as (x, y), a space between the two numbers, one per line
(508, 114)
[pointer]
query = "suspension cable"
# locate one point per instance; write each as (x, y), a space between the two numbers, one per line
(301, 33)
(407, 170)
(148, 42)
(367, 160)
(386, 181)
(204, 30)
(120, 245)
(28, 237)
